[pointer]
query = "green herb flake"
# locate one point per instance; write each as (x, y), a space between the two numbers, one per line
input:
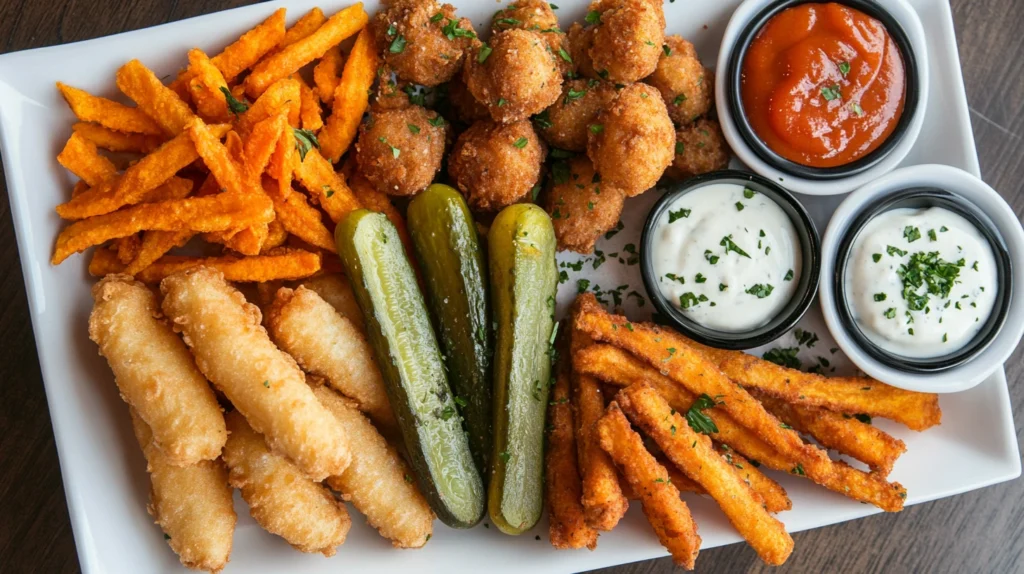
(761, 291)
(844, 68)
(789, 276)
(831, 93)
(678, 214)
(739, 206)
(730, 245)
(484, 52)
(234, 105)
(879, 297)
(697, 419)
(911, 233)
(397, 45)
(520, 143)
(304, 141)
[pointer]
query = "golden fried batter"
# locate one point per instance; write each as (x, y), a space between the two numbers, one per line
(400, 151)
(565, 124)
(464, 106)
(515, 75)
(537, 16)
(700, 148)
(684, 83)
(496, 165)
(631, 141)
(627, 39)
(582, 207)
(422, 41)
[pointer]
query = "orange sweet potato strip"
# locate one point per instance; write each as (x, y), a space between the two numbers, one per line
(156, 244)
(341, 25)
(158, 101)
(694, 454)
(127, 247)
(81, 157)
(212, 213)
(108, 139)
(317, 175)
(280, 264)
(282, 165)
(285, 95)
(261, 144)
(309, 23)
(665, 510)
(302, 220)
(253, 45)
(327, 74)
(276, 236)
(108, 113)
(207, 87)
(351, 98)
(309, 112)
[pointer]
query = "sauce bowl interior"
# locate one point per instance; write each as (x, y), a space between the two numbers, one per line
(923, 198)
(734, 93)
(810, 248)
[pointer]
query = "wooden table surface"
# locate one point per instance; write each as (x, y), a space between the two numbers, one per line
(982, 531)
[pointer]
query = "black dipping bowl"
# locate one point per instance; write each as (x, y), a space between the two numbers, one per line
(734, 93)
(810, 269)
(922, 198)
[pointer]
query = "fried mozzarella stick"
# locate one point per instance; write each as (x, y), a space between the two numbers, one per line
(378, 482)
(667, 513)
(694, 454)
(623, 369)
(234, 352)
(327, 345)
(567, 525)
(192, 504)
(282, 499)
(155, 372)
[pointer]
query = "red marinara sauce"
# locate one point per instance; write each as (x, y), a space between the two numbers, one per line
(823, 85)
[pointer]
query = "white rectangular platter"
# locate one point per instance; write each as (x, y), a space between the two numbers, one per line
(104, 472)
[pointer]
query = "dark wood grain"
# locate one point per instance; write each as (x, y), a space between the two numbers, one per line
(982, 531)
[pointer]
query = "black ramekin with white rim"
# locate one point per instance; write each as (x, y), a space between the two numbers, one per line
(790, 314)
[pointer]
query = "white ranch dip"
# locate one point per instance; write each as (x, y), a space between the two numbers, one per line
(727, 257)
(921, 282)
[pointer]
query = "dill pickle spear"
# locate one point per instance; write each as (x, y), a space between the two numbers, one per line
(448, 250)
(521, 245)
(407, 353)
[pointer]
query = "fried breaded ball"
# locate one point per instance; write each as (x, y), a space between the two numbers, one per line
(465, 107)
(580, 39)
(515, 75)
(682, 80)
(418, 44)
(565, 124)
(538, 16)
(400, 151)
(582, 207)
(495, 165)
(700, 148)
(631, 141)
(627, 39)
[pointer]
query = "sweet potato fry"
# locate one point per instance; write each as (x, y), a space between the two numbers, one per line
(302, 220)
(108, 139)
(138, 180)
(282, 167)
(309, 23)
(283, 263)
(694, 454)
(155, 99)
(156, 244)
(774, 496)
(309, 108)
(568, 528)
(228, 173)
(213, 213)
(351, 98)
(623, 369)
(276, 236)
(284, 96)
(81, 157)
(127, 248)
(327, 74)
(247, 50)
(851, 395)
(341, 25)
(207, 88)
(667, 513)
(108, 113)
(335, 289)
(260, 145)
(327, 186)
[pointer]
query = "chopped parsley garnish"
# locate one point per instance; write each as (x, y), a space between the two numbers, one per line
(395, 152)
(876, 257)
(304, 141)
(932, 236)
(678, 214)
(783, 356)
(844, 68)
(236, 107)
(596, 128)
(856, 109)
(679, 99)
(666, 49)
(573, 95)
(890, 313)
(413, 128)
(926, 270)
(739, 206)
(892, 251)
(722, 286)
(729, 245)
(543, 120)
(699, 421)
(700, 278)
(397, 45)
(880, 296)
(748, 193)
(761, 291)
(831, 93)
(911, 233)
(485, 51)
(798, 469)
(592, 17)
(680, 148)
(688, 299)
(436, 122)
(520, 143)
(452, 31)
(612, 232)
(507, 22)
(789, 276)
(711, 258)
(676, 278)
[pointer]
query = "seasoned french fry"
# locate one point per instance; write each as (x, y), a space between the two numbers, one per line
(302, 220)
(207, 87)
(694, 454)
(234, 352)
(309, 108)
(281, 498)
(309, 23)
(80, 188)
(156, 244)
(378, 482)
(212, 213)
(155, 373)
(284, 96)
(335, 289)
(621, 368)
(109, 139)
(282, 167)
(317, 175)
(81, 157)
(192, 504)
(567, 524)
(667, 513)
(328, 345)
(852, 395)
(351, 98)
(278, 264)
(155, 99)
(127, 248)
(341, 25)
(276, 236)
(108, 113)
(327, 74)
(247, 50)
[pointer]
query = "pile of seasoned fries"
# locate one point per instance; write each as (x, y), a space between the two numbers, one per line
(711, 419)
(216, 154)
